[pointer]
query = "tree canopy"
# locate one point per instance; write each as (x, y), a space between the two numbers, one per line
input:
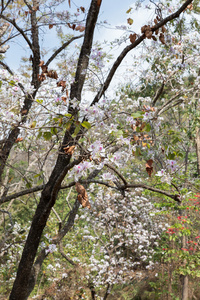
(100, 184)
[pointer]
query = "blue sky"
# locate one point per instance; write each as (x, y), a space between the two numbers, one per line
(114, 11)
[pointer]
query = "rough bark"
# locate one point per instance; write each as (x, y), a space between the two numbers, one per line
(34, 46)
(65, 228)
(20, 289)
(185, 288)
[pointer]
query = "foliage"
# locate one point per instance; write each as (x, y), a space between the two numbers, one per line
(99, 190)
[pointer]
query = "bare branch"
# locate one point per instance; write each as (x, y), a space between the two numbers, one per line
(18, 29)
(134, 45)
(158, 94)
(6, 67)
(9, 214)
(120, 175)
(77, 86)
(166, 105)
(64, 255)
(153, 189)
(62, 48)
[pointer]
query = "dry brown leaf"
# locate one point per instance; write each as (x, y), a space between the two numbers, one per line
(24, 111)
(41, 77)
(132, 37)
(80, 28)
(35, 8)
(162, 38)
(18, 140)
(52, 74)
(79, 198)
(145, 28)
(64, 99)
(149, 167)
(135, 137)
(148, 34)
(69, 150)
(148, 108)
(50, 26)
(80, 189)
(82, 9)
(69, 3)
(190, 7)
(62, 83)
(98, 2)
(82, 195)
(44, 68)
(41, 63)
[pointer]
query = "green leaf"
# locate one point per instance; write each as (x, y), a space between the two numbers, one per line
(47, 135)
(28, 185)
(39, 101)
(54, 130)
(119, 133)
(12, 83)
(37, 175)
(138, 114)
(76, 131)
(137, 152)
(68, 115)
(171, 155)
(68, 125)
(86, 124)
(33, 124)
(147, 127)
(39, 135)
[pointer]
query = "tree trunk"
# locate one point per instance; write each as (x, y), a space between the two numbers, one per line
(185, 287)
(184, 278)
(49, 194)
(10, 141)
(198, 149)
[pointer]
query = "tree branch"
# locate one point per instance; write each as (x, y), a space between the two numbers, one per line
(64, 255)
(6, 67)
(158, 94)
(153, 189)
(62, 47)
(83, 61)
(132, 46)
(120, 175)
(18, 29)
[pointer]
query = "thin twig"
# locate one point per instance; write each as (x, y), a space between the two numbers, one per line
(18, 29)
(62, 48)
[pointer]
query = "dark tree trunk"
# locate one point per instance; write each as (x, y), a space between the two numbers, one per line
(5, 151)
(21, 289)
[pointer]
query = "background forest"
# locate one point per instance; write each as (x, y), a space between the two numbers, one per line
(99, 151)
